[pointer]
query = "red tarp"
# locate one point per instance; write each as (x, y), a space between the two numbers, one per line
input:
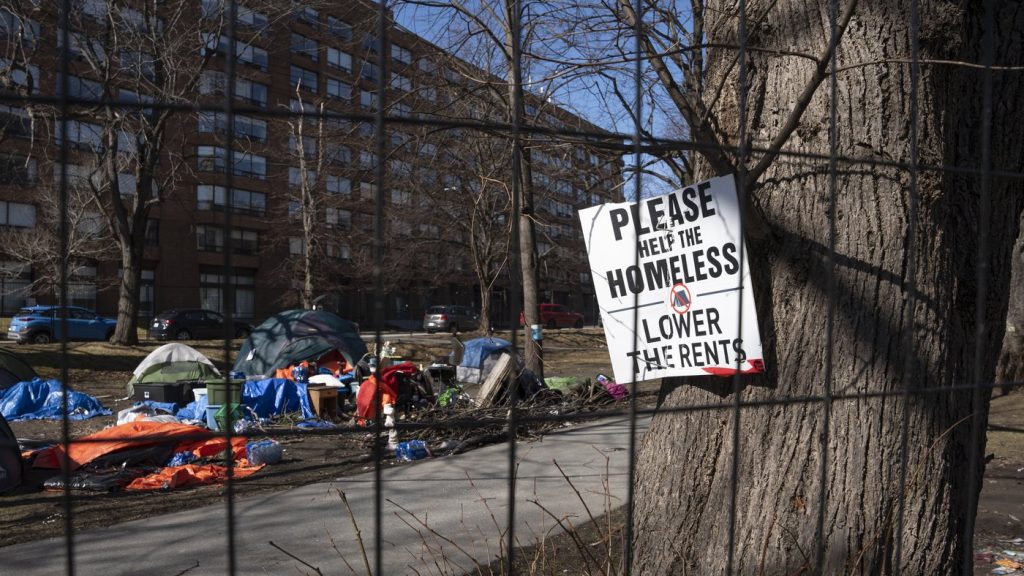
(389, 389)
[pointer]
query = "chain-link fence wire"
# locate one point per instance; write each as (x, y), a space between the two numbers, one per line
(637, 145)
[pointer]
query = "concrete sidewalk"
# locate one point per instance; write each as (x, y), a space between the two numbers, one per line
(440, 516)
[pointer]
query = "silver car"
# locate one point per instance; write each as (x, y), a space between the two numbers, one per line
(450, 318)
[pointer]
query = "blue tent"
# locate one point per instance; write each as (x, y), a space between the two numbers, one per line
(479, 349)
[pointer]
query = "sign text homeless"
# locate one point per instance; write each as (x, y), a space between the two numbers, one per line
(671, 284)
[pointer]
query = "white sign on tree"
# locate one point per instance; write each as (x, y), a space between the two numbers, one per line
(674, 293)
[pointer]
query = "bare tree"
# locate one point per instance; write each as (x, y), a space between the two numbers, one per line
(88, 238)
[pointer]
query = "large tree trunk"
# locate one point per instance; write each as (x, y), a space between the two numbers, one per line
(686, 462)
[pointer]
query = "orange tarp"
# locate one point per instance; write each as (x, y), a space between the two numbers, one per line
(173, 477)
(133, 435)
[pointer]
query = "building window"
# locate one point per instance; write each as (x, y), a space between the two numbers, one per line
(24, 79)
(296, 177)
(401, 197)
(249, 164)
(245, 126)
(369, 71)
(211, 159)
(304, 46)
(296, 246)
(367, 190)
(402, 83)
(370, 44)
(17, 215)
(308, 146)
(17, 170)
(80, 134)
(305, 79)
(367, 159)
(339, 218)
(339, 59)
(368, 99)
(337, 155)
(338, 90)
(249, 202)
(400, 54)
(79, 88)
(212, 284)
(339, 28)
(209, 238)
(151, 236)
(307, 15)
(14, 26)
(252, 55)
(245, 241)
(250, 91)
(339, 185)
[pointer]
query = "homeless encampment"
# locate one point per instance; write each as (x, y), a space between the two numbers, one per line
(494, 365)
(174, 362)
(14, 369)
(292, 337)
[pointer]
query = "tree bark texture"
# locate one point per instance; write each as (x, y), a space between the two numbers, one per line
(1011, 360)
(901, 294)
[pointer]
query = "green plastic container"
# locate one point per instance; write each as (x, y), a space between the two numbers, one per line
(221, 393)
(221, 417)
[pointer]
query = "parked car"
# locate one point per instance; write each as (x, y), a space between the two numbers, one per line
(42, 324)
(193, 324)
(557, 316)
(450, 318)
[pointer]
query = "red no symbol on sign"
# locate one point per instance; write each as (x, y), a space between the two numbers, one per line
(680, 299)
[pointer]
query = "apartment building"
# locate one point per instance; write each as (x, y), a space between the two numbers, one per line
(288, 190)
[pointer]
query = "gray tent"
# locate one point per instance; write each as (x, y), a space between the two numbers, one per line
(293, 336)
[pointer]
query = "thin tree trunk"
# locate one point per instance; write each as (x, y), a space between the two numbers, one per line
(882, 510)
(1011, 359)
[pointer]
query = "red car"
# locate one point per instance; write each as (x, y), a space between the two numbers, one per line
(557, 316)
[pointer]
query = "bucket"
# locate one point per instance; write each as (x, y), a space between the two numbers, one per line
(211, 416)
(199, 393)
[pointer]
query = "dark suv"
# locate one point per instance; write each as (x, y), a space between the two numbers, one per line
(193, 324)
(42, 324)
(450, 318)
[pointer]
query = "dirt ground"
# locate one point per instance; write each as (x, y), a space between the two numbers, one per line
(102, 370)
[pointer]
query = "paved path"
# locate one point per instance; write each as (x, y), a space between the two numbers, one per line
(439, 516)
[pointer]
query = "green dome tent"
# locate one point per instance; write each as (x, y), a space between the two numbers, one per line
(14, 369)
(172, 363)
(293, 336)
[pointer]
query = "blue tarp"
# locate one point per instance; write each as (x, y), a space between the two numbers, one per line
(479, 348)
(270, 397)
(41, 399)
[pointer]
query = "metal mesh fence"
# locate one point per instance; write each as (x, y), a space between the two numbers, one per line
(722, 69)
